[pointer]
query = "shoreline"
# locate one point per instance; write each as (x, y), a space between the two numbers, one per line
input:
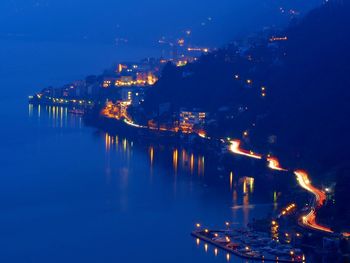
(198, 234)
(128, 127)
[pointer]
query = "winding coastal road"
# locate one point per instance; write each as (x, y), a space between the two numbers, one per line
(308, 220)
(235, 148)
(275, 165)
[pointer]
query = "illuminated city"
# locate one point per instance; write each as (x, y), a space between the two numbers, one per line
(188, 132)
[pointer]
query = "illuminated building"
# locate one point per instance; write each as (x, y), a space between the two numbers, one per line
(108, 82)
(184, 60)
(121, 67)
(151, 79)
(181, 63)
(142, 79)
(133, 95)
(189, 119)
(125, 81)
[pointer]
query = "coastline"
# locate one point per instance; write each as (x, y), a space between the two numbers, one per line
(194, 141)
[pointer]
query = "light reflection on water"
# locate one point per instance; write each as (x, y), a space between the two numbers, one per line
(151, 155)
(189, 162)
(185, 162)
(59, 116)
(175, 160)
(30, 110)
(241, 190)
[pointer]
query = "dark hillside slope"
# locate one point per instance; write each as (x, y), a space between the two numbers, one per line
(309, 103)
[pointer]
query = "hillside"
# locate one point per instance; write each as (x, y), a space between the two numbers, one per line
(302, 113)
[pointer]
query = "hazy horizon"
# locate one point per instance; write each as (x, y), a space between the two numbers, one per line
(141, 22)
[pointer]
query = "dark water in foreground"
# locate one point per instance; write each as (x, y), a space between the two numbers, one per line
(69, 193)
(73, 194)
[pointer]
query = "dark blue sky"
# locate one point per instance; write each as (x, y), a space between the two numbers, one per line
(140, 21)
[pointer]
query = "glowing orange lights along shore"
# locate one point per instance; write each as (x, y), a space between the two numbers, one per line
(235, 148)
(274, 164)
(308, 220)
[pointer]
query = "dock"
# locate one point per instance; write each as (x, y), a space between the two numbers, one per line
(204, 235)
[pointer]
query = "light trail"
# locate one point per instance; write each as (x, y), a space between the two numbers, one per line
(202, 135)
(127, 120)
(309, 220)
(274, 164)
(235, 148)
(346, 234)
(106, 112)
(130, 123)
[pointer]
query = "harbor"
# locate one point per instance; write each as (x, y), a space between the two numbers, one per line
(249, 244)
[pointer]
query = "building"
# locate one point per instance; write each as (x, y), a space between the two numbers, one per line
(125, 81)
(191, 120)
(134, 95)
(108, 82)
(141, 79)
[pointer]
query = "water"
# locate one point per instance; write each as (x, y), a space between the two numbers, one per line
(70, 193)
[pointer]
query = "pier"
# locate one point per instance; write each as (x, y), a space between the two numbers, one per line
(227, 240)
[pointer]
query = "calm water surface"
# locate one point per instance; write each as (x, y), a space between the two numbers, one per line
(69, 193)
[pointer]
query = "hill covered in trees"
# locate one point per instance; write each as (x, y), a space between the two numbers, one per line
(288, 93)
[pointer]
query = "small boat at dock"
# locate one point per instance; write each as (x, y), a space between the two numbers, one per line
(244, 248)
(76, 111)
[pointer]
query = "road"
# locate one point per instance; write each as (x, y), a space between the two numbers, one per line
(235, 148)
(309, 220)
(274, 164)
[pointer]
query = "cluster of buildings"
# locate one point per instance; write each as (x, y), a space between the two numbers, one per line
(128, 81)
(125, 82)
(144, 73)
(116, 110)
(191, 120)
(185, 120)
(78, 90)
(180, 50)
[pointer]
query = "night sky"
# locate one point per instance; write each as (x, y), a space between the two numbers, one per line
(94, 188)
(141, 22)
